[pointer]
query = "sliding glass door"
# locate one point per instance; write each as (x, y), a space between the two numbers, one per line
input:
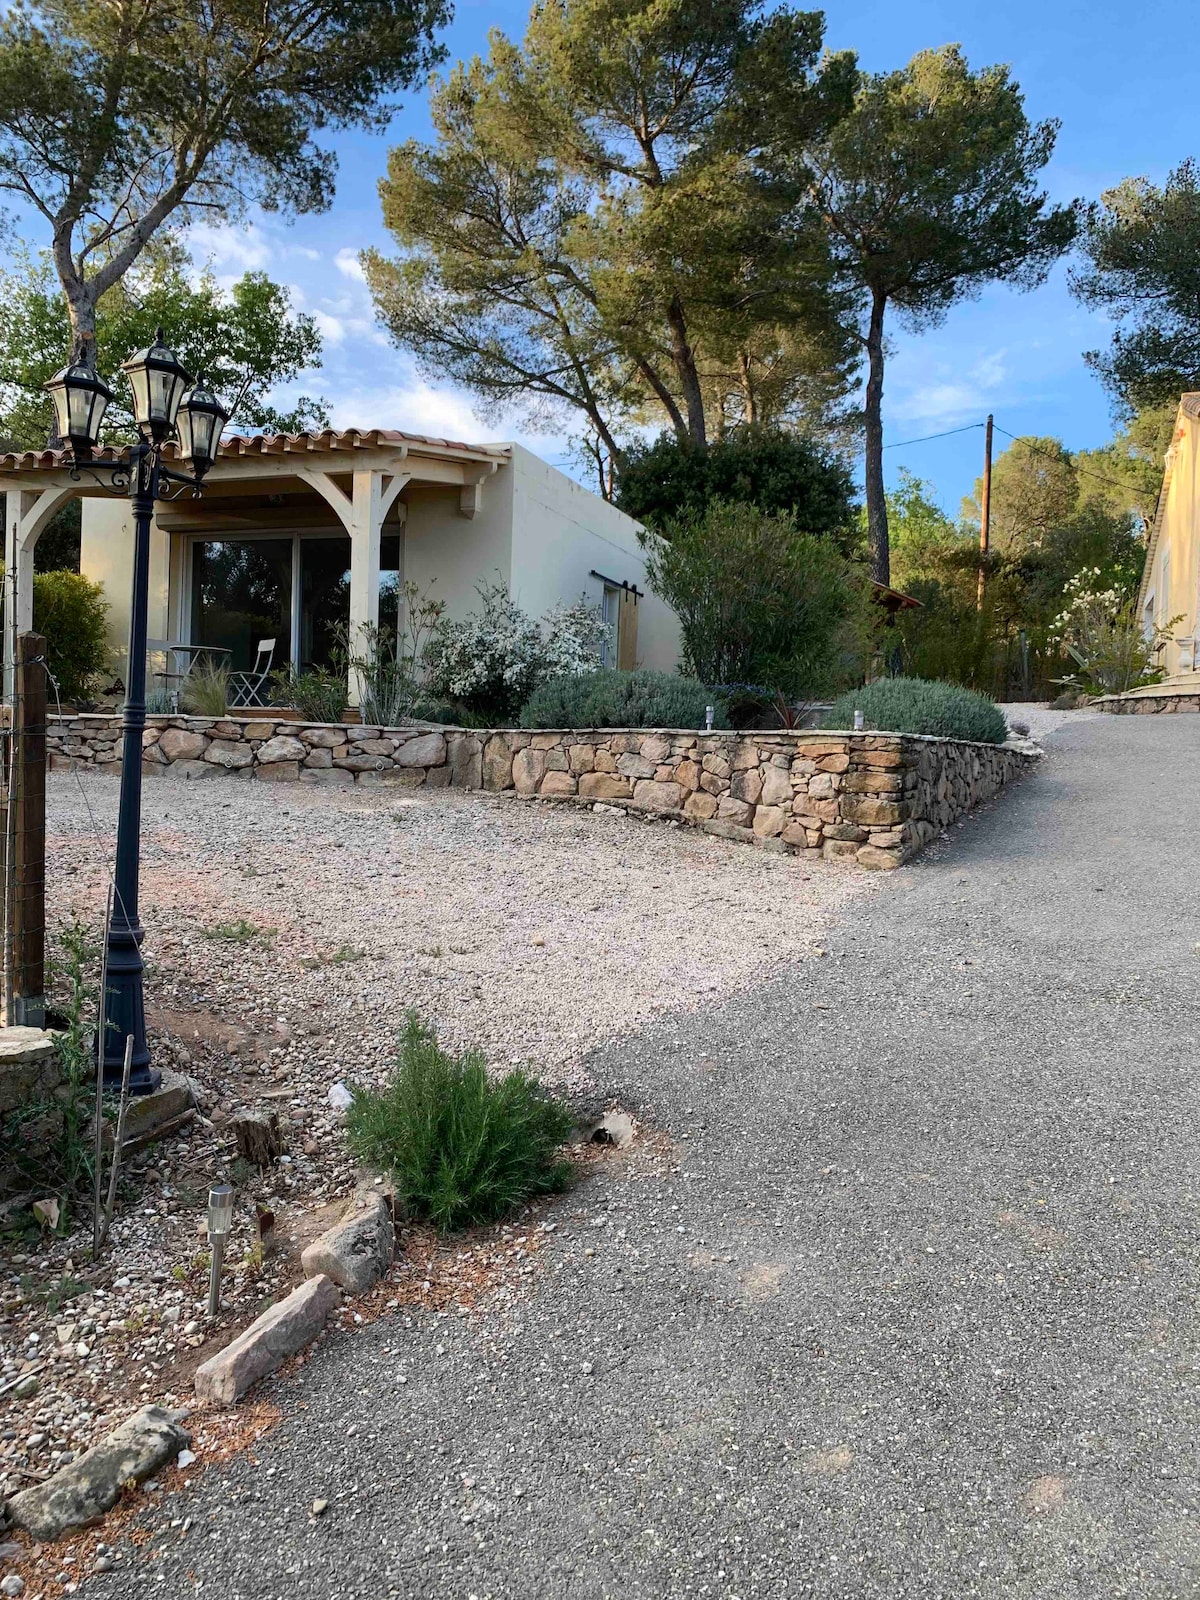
(293, 588)
(242, 594)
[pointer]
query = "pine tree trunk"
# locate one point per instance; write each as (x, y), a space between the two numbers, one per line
(877, 525)
(689, 380)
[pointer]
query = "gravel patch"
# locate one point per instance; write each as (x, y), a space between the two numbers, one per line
(1042, 722)
(286, 933)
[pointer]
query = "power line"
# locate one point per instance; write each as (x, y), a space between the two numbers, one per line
(1086, 472)
(902, 443)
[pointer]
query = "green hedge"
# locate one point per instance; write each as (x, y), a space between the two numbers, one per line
(72, 613)
(612, 699)
(915, 705)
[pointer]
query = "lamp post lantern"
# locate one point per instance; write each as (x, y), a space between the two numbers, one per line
(162, 412)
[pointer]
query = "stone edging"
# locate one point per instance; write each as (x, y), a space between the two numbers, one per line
(875, 797)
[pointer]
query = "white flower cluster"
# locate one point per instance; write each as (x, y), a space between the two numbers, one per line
(1083, 602)
(500, 654)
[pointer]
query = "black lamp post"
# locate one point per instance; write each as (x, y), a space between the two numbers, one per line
(162, 411)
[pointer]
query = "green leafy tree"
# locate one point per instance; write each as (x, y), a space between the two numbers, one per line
(117, 119)
(587, 229)
(927, 190)
(1143, 268)
(759, 600)
(246, 340)
(775, 471)
(71, 612)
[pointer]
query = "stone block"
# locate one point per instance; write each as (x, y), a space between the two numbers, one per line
(380, 747)
(745, 756)
(776, 787)
(466, 761)
(716, 764)
(865, 781)
(327, 777)
(497, 763)
(356, 762)
(280, 1332)
(426, 750)
(356, 1251)
(700, 806)
(838, 762)
(277, 772)
(839, 849)
(528, 770)
(264, 730)
(604, 786)
(435, 777)
(769, 821)
(283, 747)
(794, 833)
(225, 753)
(178, 744)
(581, 758)
(687, 775)
(845, 830)
(870, 855)
(869, 808)
(557, 783)
(739, 812)
(657, 796)
(635, 766)
(323, 738)
(655, 747)
(190, 769)
(604, 761)
(546, 741)
(81, 1492)
(724, 828)
(318, 757)
(746, 785)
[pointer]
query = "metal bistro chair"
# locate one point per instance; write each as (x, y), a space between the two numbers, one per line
(246, 688)
(178, 661)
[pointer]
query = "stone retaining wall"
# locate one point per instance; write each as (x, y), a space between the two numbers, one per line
(875, 797)
(1144, 705)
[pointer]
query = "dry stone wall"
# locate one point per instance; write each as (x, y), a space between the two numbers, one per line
(874, 798)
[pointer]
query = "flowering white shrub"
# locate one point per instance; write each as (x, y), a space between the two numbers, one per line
(1100, 631)
(494, 659)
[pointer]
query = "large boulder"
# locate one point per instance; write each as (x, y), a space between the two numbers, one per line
(85, 1489)
(426, 750)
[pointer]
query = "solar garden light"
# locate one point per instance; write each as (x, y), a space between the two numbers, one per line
(220, 1220)
(858, 721)
(709, 712)
(191, 423)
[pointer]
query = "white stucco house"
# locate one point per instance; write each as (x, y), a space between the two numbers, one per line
(297, 533)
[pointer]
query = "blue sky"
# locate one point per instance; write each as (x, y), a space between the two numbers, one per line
(1109, 72)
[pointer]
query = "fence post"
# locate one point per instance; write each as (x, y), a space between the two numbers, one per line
(29, 835)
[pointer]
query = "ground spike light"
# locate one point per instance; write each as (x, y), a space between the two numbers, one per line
(220, 1221)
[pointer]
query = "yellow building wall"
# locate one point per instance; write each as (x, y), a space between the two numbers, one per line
(106, 557)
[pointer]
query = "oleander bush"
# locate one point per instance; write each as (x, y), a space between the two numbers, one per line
(462, 1148)
(612, 699)
(916, 705)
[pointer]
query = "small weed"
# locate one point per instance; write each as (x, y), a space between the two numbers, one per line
(463, 1148)
(55, 1295)
(240, 1172)
(242, 932)
(252, 1261)
(344, 953)
(434, 950)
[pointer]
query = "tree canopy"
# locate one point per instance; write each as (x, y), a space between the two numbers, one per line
(118, 118)
(780, 473)
(927, 190)
(247, 340)
(1143, 268)
(588, 230)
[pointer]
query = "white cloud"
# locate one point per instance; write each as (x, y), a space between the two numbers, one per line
(221, 246)
(349, 265)
(330, 328)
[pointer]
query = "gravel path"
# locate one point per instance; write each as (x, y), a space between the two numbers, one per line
(911, 1314)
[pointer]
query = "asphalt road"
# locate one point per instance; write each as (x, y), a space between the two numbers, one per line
(917, 1316)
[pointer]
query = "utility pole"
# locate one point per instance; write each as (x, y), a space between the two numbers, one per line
(985, 510)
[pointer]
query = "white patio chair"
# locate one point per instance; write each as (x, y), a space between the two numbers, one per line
(246, 688)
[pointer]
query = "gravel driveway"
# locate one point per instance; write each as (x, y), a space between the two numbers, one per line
(912, 1313)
